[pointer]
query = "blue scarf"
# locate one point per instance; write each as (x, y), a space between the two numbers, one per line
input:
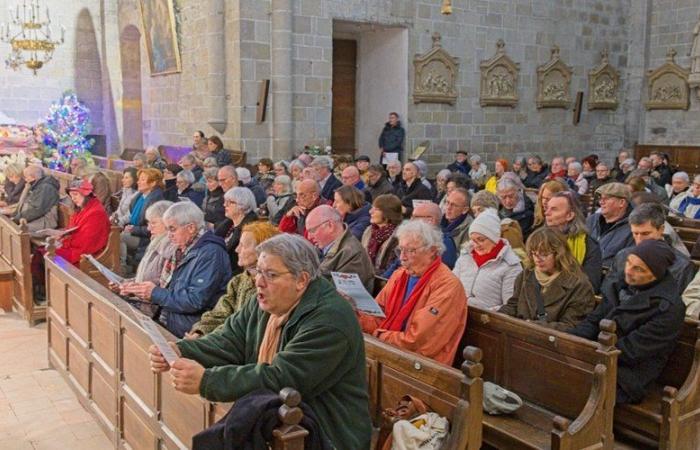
(687, 201)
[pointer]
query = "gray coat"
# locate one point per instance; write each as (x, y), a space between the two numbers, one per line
(41, 200)
(347, 255)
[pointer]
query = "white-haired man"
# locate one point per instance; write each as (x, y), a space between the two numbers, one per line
(247, 181)
(424, 302)
(323, 165)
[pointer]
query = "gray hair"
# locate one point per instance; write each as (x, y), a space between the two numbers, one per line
(506, 184)
(14, 169)
(185, 175)
(323, 161)
(284, 180)
(138, 157)
(648, 212)
(243, 175)
(394, 162)
(210, 173)
(444, 173)
(475, 159)
(189, 158)
(425, 232)
(629, 162)
(298, 164)
(35, 171)
(183, 213)
(576, 166)
(157, 210)
(485, 199)
(229, 171)
(210, 162)
(152, 149)
(421, 166)
(683, 176)
(243, 197)
(297, 254)
(696, 179)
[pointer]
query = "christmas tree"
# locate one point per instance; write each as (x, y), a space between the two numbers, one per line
(65, 131)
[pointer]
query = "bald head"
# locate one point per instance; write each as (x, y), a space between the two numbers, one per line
(324, 225)
(350, 176)
(32, 173)
(428, 212)
(227, 177)
(307, 192)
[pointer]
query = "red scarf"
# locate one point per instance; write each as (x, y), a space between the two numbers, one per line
(480, 260)
(396, 313)
(377, 237)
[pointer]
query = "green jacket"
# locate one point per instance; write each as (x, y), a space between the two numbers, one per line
(321, 355)
(239, 290)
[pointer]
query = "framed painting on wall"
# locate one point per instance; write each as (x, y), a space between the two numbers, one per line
(160, 33)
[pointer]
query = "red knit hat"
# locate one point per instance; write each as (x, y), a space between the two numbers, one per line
(80, 185)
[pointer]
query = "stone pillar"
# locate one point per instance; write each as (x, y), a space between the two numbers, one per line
(282, 87)
(216, 65)
(638, 26)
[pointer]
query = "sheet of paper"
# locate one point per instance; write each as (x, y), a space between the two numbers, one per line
(111, 276)
(389, 157)
(417, 202)
(351, 285)
(50, 232)
(157, 338)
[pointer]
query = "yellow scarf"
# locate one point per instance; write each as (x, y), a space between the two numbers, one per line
(491, 184)
(577, 245)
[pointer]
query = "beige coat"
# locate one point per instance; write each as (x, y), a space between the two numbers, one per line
(347, 255)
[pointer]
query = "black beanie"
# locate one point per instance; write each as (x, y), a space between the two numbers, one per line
(657, 255)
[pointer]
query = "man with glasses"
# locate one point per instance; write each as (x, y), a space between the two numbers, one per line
(227, 178)
(457, 216)
(424, 302)
(308, 197)
(515, 205)
(340, 249)
(610, 226)
(297, 332)
(323, 165)
(194, 278)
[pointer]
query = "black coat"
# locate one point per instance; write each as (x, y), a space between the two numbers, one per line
(535, 179)
(13, 191)
(525, 217)
(383, 186)
(417, 191)
(332, 183)
(649, 322)
(391, 139)
(232, 236)
(213, 206)
(593, 263)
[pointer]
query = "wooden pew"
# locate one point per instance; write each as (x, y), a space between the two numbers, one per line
(393, 373)
(97, 345)
(683, 157)
(669, 417)
(567, 383)
(15, 252)
(109, 257)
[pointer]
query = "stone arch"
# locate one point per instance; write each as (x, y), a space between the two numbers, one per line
(131, 108)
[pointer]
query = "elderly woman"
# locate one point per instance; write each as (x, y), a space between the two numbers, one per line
(575, 175)
(140, 161)
(184, 181)
(125, 195)
(515, 205)
(510, 229)
(281, 168)
(193, 278)
(441, 180)
(690, 205)
(378, 239)
(319, 352)
(239, 206)
(520, 167)
(479, 172)
(153, 158)
(135, 234)
(552, 290)
(351, 205)
(296, 170)
(678, 189)
(488, 267)
(213, 204)
(546, 191)
(501, 167)
(14, 184)
(241, 288)
(281, 199)
(412, 189)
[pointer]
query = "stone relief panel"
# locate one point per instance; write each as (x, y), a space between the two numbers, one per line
(603, 85)
(694, 78)
(668, 85)
(499, 79)
(435, 75)
(553, 83)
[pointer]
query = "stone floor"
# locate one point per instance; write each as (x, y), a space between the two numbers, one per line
(38, 411)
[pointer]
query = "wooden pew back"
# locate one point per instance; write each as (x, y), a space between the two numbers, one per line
(565, 381)
(97, 345)
(15, 250)
(109, 257)
(393, 373)
(683, 157)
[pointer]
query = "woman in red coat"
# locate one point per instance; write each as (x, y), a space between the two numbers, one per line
(90, 232)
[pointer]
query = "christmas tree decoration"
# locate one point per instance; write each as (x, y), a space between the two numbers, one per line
(65, 131)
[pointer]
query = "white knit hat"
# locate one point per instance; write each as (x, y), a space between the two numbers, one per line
(488, 224)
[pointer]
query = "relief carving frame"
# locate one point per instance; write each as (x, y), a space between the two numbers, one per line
(603, 85)
(435, 79)
(554, 83)
(499, 79)
(668, 85)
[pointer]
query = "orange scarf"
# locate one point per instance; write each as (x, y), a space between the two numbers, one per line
(271, 339)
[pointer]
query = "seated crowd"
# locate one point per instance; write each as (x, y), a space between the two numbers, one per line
(239, 265)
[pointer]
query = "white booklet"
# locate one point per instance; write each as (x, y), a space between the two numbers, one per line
(111, 276)
(157, 338)
(389, 157)
(351, 285)
(51, 232)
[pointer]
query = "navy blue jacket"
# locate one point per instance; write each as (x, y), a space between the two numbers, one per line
(358, 220)
(196, 285)
(332, 183)
(257, 190)
(391, 139)
(195, 197)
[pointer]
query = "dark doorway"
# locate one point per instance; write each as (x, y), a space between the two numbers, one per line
(343, 112)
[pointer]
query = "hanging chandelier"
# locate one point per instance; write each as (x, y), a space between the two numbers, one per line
(29, 37)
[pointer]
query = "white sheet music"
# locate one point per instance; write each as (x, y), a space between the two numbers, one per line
(154, 333)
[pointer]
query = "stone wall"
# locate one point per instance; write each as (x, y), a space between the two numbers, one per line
(671, 26)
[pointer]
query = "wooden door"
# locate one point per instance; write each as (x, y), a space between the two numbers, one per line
(343, 113)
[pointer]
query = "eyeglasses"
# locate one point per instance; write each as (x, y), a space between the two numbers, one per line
(267, 275)
(229, 203)
(408, 251)
(449, 204)
(173, 229)
(540, 255)
(314, 229)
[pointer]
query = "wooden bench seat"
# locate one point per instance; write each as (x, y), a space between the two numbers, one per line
(567, 384)
(6, 285)
(454, 394)
(15, 251)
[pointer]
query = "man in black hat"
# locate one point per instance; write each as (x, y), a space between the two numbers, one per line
(649, 312)
(461, 163)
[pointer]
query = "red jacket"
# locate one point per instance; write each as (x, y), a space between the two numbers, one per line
(294, 225)
(90, 237)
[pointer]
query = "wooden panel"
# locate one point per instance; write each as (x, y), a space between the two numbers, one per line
(136, 371)
(79, 367)
(396, 384)
(79, 315)
(135, 431)
(104, 395)
(343, 108)
(183, 415)
(57, 288)
(58, 342)
(104, 339)
(17, 257)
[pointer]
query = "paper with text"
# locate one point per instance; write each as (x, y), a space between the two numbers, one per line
(351, 285)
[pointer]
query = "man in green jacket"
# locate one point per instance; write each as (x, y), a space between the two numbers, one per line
(298, 333)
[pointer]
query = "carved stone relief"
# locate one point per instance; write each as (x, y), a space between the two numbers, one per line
(499, 79)
(603, 85)
(694, 78)
(553, 83)
(668, 85)
(435, 75)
